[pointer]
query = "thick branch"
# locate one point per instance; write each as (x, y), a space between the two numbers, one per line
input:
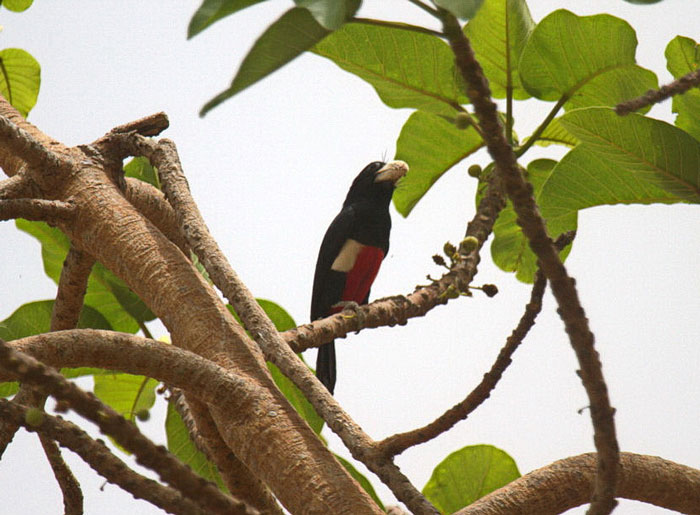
(654, 96)
(567, 483)
(264, 332)
(533, 226)
(151, 202)
(96, 454)
(30, 371)
(239, 479)
(50, 211)
(70, 488)
(17, 186)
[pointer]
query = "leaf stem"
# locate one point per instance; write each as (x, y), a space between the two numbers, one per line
(539, 130)
(398, 25)
(425, 7)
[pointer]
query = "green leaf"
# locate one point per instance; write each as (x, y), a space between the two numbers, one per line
(406, 68)
(106, 292)
(614, 86)
(555, 134)
(127, 394)
(566, 51)
(463, 9)
(360, 478)
(180, 445)
(20, 77)
(287, 38)
(331, 14)
(645, 160)
(17, 5)
(420, 136)
(35, 318)
(510, 249)
(621, 160)
(467, 475)
(141, 168)
(212, 11)
(683, 57)
(498, 34)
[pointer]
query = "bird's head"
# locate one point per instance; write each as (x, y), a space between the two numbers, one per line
(377, 180)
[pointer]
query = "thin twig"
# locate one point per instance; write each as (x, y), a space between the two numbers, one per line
(540, 129)
(398, 25)
(50, 211)
(71, 290)
(171, 470)
(96, 454)
(654, 96)
(533, 226)
(72, 494)
(425, 7)
(398, 443)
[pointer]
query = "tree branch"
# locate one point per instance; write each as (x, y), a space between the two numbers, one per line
(71, 290)
(96, 454)
(654, 96)
(17, 186)
(70, 488)
(567, 483)
(151, 202)
(239, 479)
(30, 371)
(398, 443)
(533, 226)
(50, 211)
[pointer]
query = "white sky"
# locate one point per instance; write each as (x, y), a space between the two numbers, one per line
(270, 169)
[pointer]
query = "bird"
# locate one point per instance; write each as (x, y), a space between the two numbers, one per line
(352, 250)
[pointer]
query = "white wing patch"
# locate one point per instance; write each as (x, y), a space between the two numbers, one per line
(347, 256)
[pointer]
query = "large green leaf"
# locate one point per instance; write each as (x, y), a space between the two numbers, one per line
(566, 51)
(35, 318)
(467, 475)
(357, 476)
(431, 145)
(287, 38)
(17, 5)
(106, 292)
(180, 445)
(464, 9)
(129, 395)
(20, 78)
(498, 34)
(212, 11)
(683, 57)
(331, 14)
(621, 160)
(510, 249)
(407, 69)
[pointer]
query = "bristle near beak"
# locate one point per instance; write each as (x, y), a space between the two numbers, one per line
(392, 172)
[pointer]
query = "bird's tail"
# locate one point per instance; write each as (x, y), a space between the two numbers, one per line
(325, 365)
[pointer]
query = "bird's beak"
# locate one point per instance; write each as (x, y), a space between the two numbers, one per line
(392, 172)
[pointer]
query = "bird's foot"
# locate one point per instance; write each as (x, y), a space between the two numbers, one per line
(354, 311)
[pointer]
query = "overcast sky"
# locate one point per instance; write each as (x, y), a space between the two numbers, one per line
(270, 169)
